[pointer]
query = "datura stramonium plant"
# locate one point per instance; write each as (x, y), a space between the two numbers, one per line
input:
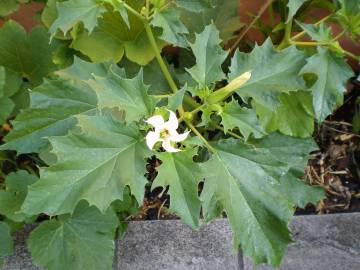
(251, 116)
(165, 132)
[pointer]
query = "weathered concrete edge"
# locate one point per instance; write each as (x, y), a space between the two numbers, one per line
(23, 261)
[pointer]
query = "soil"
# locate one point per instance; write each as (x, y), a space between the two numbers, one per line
(336, 167)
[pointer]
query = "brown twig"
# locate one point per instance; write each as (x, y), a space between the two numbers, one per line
(243, 33)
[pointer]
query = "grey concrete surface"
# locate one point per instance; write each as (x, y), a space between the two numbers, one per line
(172, 245)
(321, 243)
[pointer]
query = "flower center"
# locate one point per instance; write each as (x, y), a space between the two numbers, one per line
(164, 133)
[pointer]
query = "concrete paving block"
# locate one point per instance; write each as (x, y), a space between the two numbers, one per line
(171, 245)
(150, 245)
(21, 259)
(321, 243)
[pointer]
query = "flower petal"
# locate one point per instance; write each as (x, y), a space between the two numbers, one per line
(168, 147)
(179, 137)
(152, 138)
(157, 121)
(172, 123)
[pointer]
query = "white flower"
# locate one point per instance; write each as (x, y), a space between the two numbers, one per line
(164, 132)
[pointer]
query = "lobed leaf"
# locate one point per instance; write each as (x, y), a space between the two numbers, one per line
(329, 88)
(72, 12)
(246, 182)
(53, 107)
(83, 241)
(209, 57)
(223, 13)
(194, 5)
(12, 198)
(8, 6)
(112, 38)
(94, 163)
(272, 72)
(294, 6)
(182, 175)
(173, 29)
(6, 243)
(294, 116)
(28, 55)
(128, 95)
(319, 33)
(235, 116)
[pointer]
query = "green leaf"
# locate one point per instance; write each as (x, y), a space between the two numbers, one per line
(120, 7)
(111, 38)
(294, 116)
(9, 85)
(288, 150)
(138, 49)
(83, 70)
(129, 95)
(72, 12)
(194, 5)
(153, 75)
(235, 116)
(182, 175)
(105, 42)
(53, 107)
(12, 198)
(272, 72)
(49, 14)
(329, 87)
(176, 100)
(224, 14)
(293, 151)
(123, 209)
(8, 6)
(244, 181)
(6, 108)
(29, 55)
(209, 57)
(6, 243)
(2, 80)
(83, 241)
(349, 17)
(294, 6)
(13, 83)
(298, 192)
(94, 164)
(320, 33)
(173, 29)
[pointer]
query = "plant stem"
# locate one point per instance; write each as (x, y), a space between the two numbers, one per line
(339, 35)
(328, 45)
(161, 96)
(191, 102)
(287, 36)
(197, 133)
(198, 109)
(134, 12)
(243, 33)
(147, 4)
(308, 43)
(357, 58)
(301, 34)
(159, 58)
(271, 15)
(228, 132)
